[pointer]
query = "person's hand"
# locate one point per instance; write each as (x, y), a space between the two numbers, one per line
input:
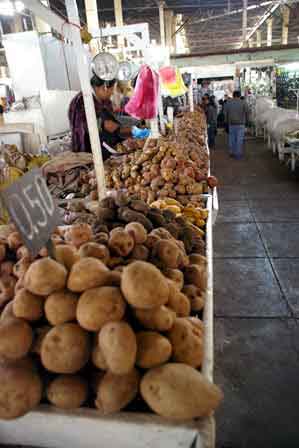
(140, 133)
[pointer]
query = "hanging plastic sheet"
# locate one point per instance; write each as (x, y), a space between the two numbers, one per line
(174, 89)
(168, 75)
(144, 101)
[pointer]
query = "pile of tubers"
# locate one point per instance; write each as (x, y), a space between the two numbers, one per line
(112, 322)
(170, 167)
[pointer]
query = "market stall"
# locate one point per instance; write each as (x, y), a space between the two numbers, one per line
(102, 317)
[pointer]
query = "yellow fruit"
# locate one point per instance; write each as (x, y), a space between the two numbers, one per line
(170, 201)
(173, 208)
(200, 222)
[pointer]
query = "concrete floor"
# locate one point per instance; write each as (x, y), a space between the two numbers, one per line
(256, 265)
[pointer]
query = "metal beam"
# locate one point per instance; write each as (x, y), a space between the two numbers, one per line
(285, 25)
(162, 24)
(269, 13)
(269, 31)
(244, 21)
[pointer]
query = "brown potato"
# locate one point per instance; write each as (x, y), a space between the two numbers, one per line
(66, 255)
(61, 306)
(121, 243)
(159, 319)
(198, 259)
(153, 349)
(87, 273)
(196, 275)
(178, 301)
(176, 276)
(20, 391)
(137, 231)
(28, 306)
(14, 240)
(45, 276)
(193, 395)
(65, 349)
(113, 278)
(140, 252)
(168, 253)
(7, 312)
(39, 335)
(97, 356)
(95, 250)
(196, 299)
(118, 344)
(21, 267)
(78, 234)
(116, 391)
(67, 391)
(98, 306)
(144, 286)
(187, 342)
(15, 339)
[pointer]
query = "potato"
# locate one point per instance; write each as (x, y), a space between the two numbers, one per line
(198, 259)
(39, 335)
(67, 391)
(98, 306)
(168, 253)
(87, 273)
(78, 234)
(2, 252)
(137, 231)
(118, 344)
(14, 240)
(187, 342)
(95, 250)
(144, 286)
(7, 312)
(159, 319)
(15, 339)
(97, 356)
(45, 276)
(196, 275)
(113, 278)
(60, 307)
(66, 255)
(176, 276)
(21, 267)
(196, 299)
(178, 301)
(180, 392)
(28, 306)
(153, 349)
(140, 252)
(121, 243)
(20, 391)
(116, 391)
(65, 349)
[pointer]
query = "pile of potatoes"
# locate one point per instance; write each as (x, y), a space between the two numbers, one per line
(112, 322)
(170, 167)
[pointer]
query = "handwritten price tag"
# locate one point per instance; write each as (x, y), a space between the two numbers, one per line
(32, 209)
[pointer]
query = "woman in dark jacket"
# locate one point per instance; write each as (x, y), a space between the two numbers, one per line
(212, 114)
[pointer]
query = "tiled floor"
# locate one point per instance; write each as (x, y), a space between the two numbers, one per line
(256, 266)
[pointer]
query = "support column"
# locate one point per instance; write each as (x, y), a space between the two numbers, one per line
(41, 26)
(162, 24)
(168, 28)
(285, 25)
(91, 9)
(250, 43)
(174, 28)
(119, 21)
(269, 32)
(244, 22)
(258, 38)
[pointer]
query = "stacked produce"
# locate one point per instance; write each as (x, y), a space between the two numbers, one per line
(174, 167)
(112, 322)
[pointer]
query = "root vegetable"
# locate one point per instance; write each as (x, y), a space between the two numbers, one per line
(66, 255)
(65, 349)
(15, 339)
(28, 306)
(144, 286)
(95, 250)
(98, 306)
(187, 342)
(60, 307)
(87, 273)
(97, 356)
(14, 240)
(67, 391)
(78, 234)
(178, 391)
(196, 299)
(176, 276)
(153, 349)
(168, 253)
(45, 276)
(196, 275)
(115, 392)
(178, 301)
(21, 267)
(121, 243)
(118, 344)
(137, 231)
(140, 252)
(159, 319)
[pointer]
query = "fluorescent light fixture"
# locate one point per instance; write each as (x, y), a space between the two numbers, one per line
(8, 9)
(290, 66)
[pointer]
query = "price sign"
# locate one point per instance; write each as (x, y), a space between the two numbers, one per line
(32, 209)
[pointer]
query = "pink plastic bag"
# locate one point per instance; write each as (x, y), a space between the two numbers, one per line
(144, 101)
(168, 75)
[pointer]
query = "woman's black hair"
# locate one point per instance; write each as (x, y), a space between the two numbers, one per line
(98, 82)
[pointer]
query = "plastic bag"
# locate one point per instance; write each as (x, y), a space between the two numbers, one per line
(176, 89)
(167, 75)
(144, 101)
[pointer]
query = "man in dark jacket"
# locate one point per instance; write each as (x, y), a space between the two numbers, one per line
(236, 117)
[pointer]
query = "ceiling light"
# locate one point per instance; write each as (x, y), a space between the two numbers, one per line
(8, 8)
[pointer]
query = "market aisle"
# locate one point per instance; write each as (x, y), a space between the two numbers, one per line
(256, 264)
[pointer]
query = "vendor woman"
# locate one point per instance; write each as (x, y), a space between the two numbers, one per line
(110, 129)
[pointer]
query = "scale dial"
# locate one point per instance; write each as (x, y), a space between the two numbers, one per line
(105, 66)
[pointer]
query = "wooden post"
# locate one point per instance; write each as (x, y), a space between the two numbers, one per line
(258, 38)
(244, 24)
(285, 25)
(162, 23)
(41, 26)
(269, 32)
(250, 43)
(83, 71)
(119, 21)
(168, 26)
(91, 9)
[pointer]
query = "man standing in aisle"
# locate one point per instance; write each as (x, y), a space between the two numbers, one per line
(236, 116)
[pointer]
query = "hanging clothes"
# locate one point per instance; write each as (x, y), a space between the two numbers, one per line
(144, 101)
